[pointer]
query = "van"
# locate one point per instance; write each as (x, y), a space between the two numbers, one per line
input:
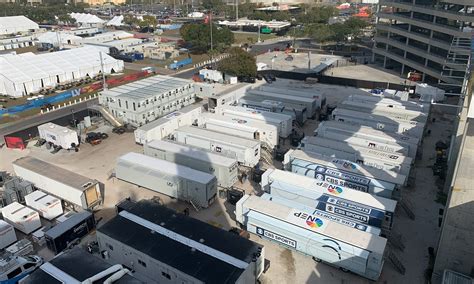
(13, 269)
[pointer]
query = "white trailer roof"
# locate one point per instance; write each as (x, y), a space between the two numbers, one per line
(56, 129)
(15, 24)
(264, 115)
(214, 135)
(253, 125)
(377, 117)
(4, 226)
(17, 210)
(41, 198)
(196, 153)
(154, 166)
(282, 96)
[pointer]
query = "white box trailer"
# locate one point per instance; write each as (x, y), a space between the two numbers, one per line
(359, 252)
(379, 122)
(361, 155)
(344, 173)
(7, 234)
(246, 151)
(224, 168)
(282, 121)
(304, 93)
(362, 208)
(297, 112)
(21, 217)
(345, 129)
(409, 105)
(396, 114)
(241, 127)
(166, 125)
(310, 104)
(49, 207)
(58, 135)
(74, 189)
(167, 178)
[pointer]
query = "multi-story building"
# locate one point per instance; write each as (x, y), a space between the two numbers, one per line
(145, 100)
(425, 36)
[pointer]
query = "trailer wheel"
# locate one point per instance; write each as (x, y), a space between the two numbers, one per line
(318, 260)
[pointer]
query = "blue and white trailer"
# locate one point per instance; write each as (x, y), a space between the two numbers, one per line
(325, 241)
(344, 173)
(356, 206)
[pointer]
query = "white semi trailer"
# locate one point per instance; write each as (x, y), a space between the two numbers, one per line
(58, 135)
(396, 114)
(310, 103)
(396, 104)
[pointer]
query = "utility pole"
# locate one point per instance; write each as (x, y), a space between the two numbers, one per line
(210, 28)
(104, 83)
(236, 10)
(259, 27)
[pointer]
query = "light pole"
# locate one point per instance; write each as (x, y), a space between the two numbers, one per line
(259, 26)
(104, 83)
(210, 28)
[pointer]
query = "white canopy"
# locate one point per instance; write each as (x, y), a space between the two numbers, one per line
(116, 21)
(16, 24)
(82, 18)
(55, 37)
(26, 73)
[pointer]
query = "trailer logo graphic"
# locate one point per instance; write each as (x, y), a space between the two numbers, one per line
(310, 220)
(276, 237)
(336, 190)
(314, 223)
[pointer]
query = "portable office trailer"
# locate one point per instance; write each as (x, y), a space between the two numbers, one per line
(379, 122)
(21, 217)
(49, 207)
(246, 151)
(251, 129)
(7, 234)
(72, 188)
(344, 173)
(344, 129)
(396, 114)
(335, 244)
(168, 178)
(224, 168)
(226, 98)
(58, 135)
(396, 104)
(296, 111)
(59, 237)
(360, 207)
(166, 125)
(304, 93)
(310, 104)
(282, 121)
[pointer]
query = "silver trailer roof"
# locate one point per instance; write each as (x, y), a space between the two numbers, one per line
(370, 107)
(257, 99)
(56, 129)
(170, 116)
(282, 96)
(389, 101)
(214, 135)
(377, 117)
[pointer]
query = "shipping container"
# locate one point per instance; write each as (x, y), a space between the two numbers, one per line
(304, 93)
(75, 190)
(396, 104)
(282, 121)
(379, 122)
(383, 110)
(59, 237)
(246, 151)
(166, 125)
(350, 249)
(21, 217)
(58, 135)
(344, 173)
(297, 112)
(361, 155)
(49, 207)
(310, 104)
(241, 127)
(7, 234)
(168, 178)
(360, 207)
(224, 168)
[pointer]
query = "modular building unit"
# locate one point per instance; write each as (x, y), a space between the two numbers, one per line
(58, 135)
(168, 178)
(246, 151)
(224, 168)
(360, 207)
(166, 125)
(297, 112)
(365, 156)
(7, 234)
(310, 104)
(282, 121)
(396, 114)
(49, 207)
(396, 104)
(59, 237)
(335, 244)
(379, 122)
(251, 129)
(308, 93)
(343, 173)
(21, 217)
(72, 188)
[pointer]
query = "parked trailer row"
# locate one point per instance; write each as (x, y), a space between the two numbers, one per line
(246, 151)
(396, 114)
(379, 122)
(363, 208)
(72, 188)
(396, 104)
(310, 104)
(224, 168)
(392, 141)
(21, 217)
(58, 135)
(48, 207)
(359, 154)
(282, 121)
(166, 125)
(332, 243)
(343, 173)
(241, 127)
(168, 178)
(297, 112)
(308, 93)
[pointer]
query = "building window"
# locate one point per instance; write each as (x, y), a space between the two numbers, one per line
(134, 107)
(126, 104)
(110, 246)
(120, 103)
(166, 275)
(142, 263)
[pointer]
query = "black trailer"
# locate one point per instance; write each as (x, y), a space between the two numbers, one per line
(61, 236)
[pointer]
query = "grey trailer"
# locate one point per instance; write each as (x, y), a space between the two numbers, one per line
(396, 104)
(168, 178)
(309, 103)
(304, 93)
(224, 168)
(299, 112)
(396, 114)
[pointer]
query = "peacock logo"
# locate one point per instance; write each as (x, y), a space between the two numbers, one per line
(336, 190)
(314, 223)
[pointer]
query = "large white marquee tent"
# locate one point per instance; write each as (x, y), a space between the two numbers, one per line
(86, 19)
(16, 24)
(23, 74)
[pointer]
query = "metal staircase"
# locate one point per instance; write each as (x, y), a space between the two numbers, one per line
(195, 204)
(396, 241)
(457, 62)
(107, 115)
(266, 153)
(407, 207)
(396, 262)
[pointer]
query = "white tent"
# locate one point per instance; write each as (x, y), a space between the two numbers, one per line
(86, 19)
(27, 73)
(55, 37)
(116, 21)
(16, 24)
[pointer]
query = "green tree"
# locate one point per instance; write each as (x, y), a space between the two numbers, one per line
(199, 37)
(214, 5)
(239, 63)
(319, 14)
(322, 33)
(66, 19)
(148, 21)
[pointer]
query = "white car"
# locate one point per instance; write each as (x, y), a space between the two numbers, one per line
(13, 269)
